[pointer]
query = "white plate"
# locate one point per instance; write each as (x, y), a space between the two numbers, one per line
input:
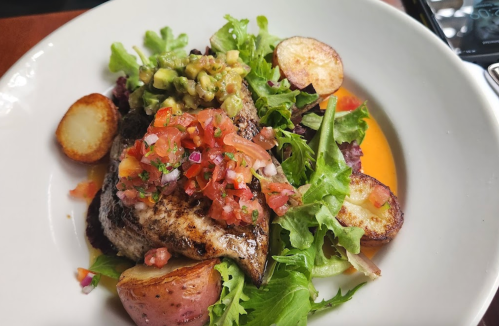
(441, 270)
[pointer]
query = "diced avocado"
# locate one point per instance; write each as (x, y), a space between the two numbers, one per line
(232, 105)
(180, 84)
(163, 78)
(191, 102)
(191, 87)
(170, 102)
(203, 93)
(206, 82)
(232, 57)
(193, 69)
(135, 100)
(146, 73)
(151, 102)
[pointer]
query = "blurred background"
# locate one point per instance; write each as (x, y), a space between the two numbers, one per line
(12, 8)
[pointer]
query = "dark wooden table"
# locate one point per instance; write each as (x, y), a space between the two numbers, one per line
(19, 34)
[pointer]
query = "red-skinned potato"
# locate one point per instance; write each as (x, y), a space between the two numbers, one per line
(304, 61)
(176, 294)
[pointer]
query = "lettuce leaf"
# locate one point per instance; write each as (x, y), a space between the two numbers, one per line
(166, 42)
(121, 60)
(337, 300)
(226, 311)
(283, 302)
(298, 166)
(348, 125)
(110, 266)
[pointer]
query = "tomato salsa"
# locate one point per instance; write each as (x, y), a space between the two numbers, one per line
(203, 154)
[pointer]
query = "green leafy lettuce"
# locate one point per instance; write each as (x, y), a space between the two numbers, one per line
(110, 266)
(298, 166)
(166, 42)
(121, 60)
(348, 125)
(226, 311)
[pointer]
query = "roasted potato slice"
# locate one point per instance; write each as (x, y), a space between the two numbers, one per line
(176, 294)
(304, 61)
(87, 130)
(380, 225)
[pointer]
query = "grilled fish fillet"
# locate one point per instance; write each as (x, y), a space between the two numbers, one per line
(179, 222)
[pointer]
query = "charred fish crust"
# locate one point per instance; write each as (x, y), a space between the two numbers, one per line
(200, 248)
(94, 231)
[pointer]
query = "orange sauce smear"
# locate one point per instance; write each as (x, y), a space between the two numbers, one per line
(377, 161)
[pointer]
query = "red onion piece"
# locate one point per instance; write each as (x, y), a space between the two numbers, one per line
(140, 206)
(218, 159)
(172, 176)
(120, 194)
(145, 160)
(259, 164)
(87, 289)
(270, 170)
(364, 265)
(87, 280)
(195, 157)
(231, 175)
(151, 139)
(287, 192)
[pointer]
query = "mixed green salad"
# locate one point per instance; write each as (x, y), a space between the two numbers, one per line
(307, 241)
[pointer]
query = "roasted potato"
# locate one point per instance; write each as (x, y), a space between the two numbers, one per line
(304, 61)
(380, 225)
(176, 294)
(87, 130)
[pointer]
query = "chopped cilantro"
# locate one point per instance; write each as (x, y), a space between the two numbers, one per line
(175, 147)
(224, 194)
(142, 192)
(155, 196)
(151, 150)
(211, 165)
(180, 127)
(244, 209)
(218, 133)
(230, 155)
(144, 175)
(254, 215)
(207, 175)
(244, 163)
(160, 166)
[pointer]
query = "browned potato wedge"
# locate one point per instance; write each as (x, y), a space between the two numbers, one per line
(380, 225)
(304, 61)
(86, 131)
(177, 294)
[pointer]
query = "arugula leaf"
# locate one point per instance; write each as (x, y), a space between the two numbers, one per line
(167, 42)
(226, 311)
(283, 302)
(298, 166)
(331, 177)
(305, 98)
(350, 126)
(323, 266)
(265, 43)
(121, 60)
(110, 266)
(330, 182)
(297, 221)
(337, 300)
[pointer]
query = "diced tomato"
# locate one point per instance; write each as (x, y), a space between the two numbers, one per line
(209, 137)
(162, 117)
(247, 147)
(82, 273)
(276, 201)
(188, 143)
(348, 103)
(183, 120)
(190, 187)
(84, 190)
(280, 211)
(266, 138)
(135, 150)
(379, 196)
(193, 171)
(241, 193)
(209, 116)
(157, 257)
(279, 187)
